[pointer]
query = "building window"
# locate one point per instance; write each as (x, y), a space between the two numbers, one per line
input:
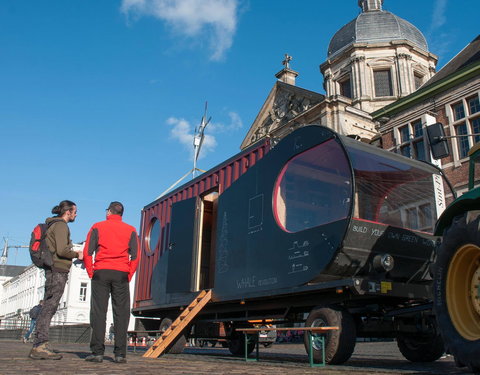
(383, 83)
(83, 292)
(466, 124)
(420, 217)
(425, 217)
(473, 105)
(461, 129)
(346, 88)
(412, 141)
(418, 80)
(458, 111)
(412, 218)
(476, 129)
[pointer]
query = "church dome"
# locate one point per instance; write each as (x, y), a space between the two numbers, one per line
(375, 25)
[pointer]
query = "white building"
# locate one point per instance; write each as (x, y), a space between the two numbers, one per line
(20, 293)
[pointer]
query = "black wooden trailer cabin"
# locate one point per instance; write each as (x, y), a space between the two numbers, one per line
(318, 223)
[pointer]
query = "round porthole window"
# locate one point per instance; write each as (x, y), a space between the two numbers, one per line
(153, 236)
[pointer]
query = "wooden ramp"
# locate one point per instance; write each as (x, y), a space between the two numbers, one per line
(187, 315)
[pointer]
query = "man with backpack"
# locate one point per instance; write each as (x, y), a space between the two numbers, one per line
(33, 313)
(60, 246)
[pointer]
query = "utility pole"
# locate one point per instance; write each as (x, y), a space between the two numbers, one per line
(4, 257)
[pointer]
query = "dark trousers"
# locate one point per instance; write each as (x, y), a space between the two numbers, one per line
(104, 284)
(54, 287)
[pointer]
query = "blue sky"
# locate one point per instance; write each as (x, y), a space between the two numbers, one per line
(98, 99)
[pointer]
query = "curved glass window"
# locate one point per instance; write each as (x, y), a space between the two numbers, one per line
(395, 192)
(153, 236)
(313, 188)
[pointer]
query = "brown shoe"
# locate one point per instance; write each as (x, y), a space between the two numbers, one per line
(44, 352)
(120, 359)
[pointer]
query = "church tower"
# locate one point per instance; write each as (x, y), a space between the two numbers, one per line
(376, 59)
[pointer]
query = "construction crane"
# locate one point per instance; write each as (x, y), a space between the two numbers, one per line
(4, 257)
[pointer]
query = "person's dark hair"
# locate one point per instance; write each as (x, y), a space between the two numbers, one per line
(116, 208)
(63, 207)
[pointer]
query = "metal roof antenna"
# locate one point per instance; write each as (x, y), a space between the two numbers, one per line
(198, 139)
(197, 145)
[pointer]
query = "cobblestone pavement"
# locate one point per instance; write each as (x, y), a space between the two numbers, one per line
(369, 358)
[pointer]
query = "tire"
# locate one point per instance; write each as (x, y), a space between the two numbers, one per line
(177, 346)
(456, 289)
(339, 344)
(236, 345)
(458, 363)
(213, 343)
(421, 349)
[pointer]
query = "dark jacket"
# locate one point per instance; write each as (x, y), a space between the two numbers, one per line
(115, 245)
(59, 244)
(35, 311)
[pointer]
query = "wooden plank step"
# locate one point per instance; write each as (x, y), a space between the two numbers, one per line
(179, 325)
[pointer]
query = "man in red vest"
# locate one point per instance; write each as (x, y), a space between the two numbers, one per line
(111, 255)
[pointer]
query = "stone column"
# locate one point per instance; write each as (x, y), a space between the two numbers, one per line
(405, 74)
(328, 84)
(358, 77)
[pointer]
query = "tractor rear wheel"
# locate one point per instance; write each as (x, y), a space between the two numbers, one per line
(457, 289)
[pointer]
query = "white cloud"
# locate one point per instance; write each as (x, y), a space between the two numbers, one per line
(214, 19)
(439, 40)
(182, 132)
(439, 15)
(235, 124)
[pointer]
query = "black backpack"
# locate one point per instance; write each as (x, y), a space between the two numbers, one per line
(35, 312)
(39, 252)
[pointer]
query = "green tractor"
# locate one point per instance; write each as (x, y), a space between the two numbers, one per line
(457, 274)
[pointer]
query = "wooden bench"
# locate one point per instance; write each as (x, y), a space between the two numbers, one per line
(310, 331)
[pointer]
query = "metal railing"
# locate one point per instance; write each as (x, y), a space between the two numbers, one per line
(65, 332)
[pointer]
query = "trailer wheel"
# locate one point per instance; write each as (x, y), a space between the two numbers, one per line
(236, 345)
(339, 344)
(179, 344)
(457, 289)
(213, 343)
(421, 349)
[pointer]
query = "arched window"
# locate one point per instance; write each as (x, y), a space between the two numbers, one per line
(313, 188)
(153, 235)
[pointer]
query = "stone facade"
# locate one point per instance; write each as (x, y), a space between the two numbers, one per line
(362, 74)
(403, 65)
(453, 99)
